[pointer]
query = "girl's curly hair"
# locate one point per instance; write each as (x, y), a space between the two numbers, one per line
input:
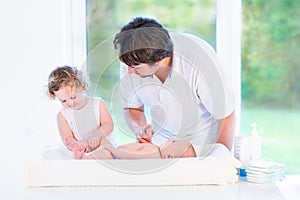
(66, 75)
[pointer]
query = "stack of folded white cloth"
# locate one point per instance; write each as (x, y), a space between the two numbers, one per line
(264, 171)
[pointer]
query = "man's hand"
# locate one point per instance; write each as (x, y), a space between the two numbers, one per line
(144, 134)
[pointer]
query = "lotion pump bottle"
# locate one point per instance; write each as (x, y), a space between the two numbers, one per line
(255, 143)
(244, 155)
(242, 152)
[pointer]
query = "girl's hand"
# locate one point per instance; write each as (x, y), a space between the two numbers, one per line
(93, 142)
(75, 145)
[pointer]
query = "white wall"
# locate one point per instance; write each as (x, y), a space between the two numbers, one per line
(32, 42)
(31, 45)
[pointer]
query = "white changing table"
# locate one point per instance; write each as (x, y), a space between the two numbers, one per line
(241, 191)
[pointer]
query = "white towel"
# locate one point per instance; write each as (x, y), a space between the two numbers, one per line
(218, 168)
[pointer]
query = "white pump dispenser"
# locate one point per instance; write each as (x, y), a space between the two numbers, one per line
(242, 152)
(255, 143)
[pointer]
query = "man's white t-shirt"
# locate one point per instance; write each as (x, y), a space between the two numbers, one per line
(191, 100)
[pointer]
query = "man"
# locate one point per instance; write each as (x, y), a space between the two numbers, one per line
(178, 77)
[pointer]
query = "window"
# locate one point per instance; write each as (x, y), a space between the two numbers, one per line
(106, 17)
(270, 77)
(269, 85)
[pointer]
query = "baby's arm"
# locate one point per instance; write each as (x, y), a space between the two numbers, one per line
(67, 135)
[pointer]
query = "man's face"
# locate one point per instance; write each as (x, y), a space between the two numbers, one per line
(143, 70)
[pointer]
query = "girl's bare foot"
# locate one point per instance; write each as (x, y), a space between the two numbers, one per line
(75, 145)
(78, 154)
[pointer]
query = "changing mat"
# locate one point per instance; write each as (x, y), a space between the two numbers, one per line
(219, 167)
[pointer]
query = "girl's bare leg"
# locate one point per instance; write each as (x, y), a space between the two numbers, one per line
(99, 153)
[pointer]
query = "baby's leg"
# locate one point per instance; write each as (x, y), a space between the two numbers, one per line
(135, 151)
(177, 149)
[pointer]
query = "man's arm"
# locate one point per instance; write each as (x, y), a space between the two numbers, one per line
(136, 121)
(226, 128)
(135, 117)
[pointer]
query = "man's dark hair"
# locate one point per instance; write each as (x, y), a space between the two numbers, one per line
(143, 40)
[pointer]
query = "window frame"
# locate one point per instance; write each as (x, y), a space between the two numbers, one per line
(74, 32)
(228, 47)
